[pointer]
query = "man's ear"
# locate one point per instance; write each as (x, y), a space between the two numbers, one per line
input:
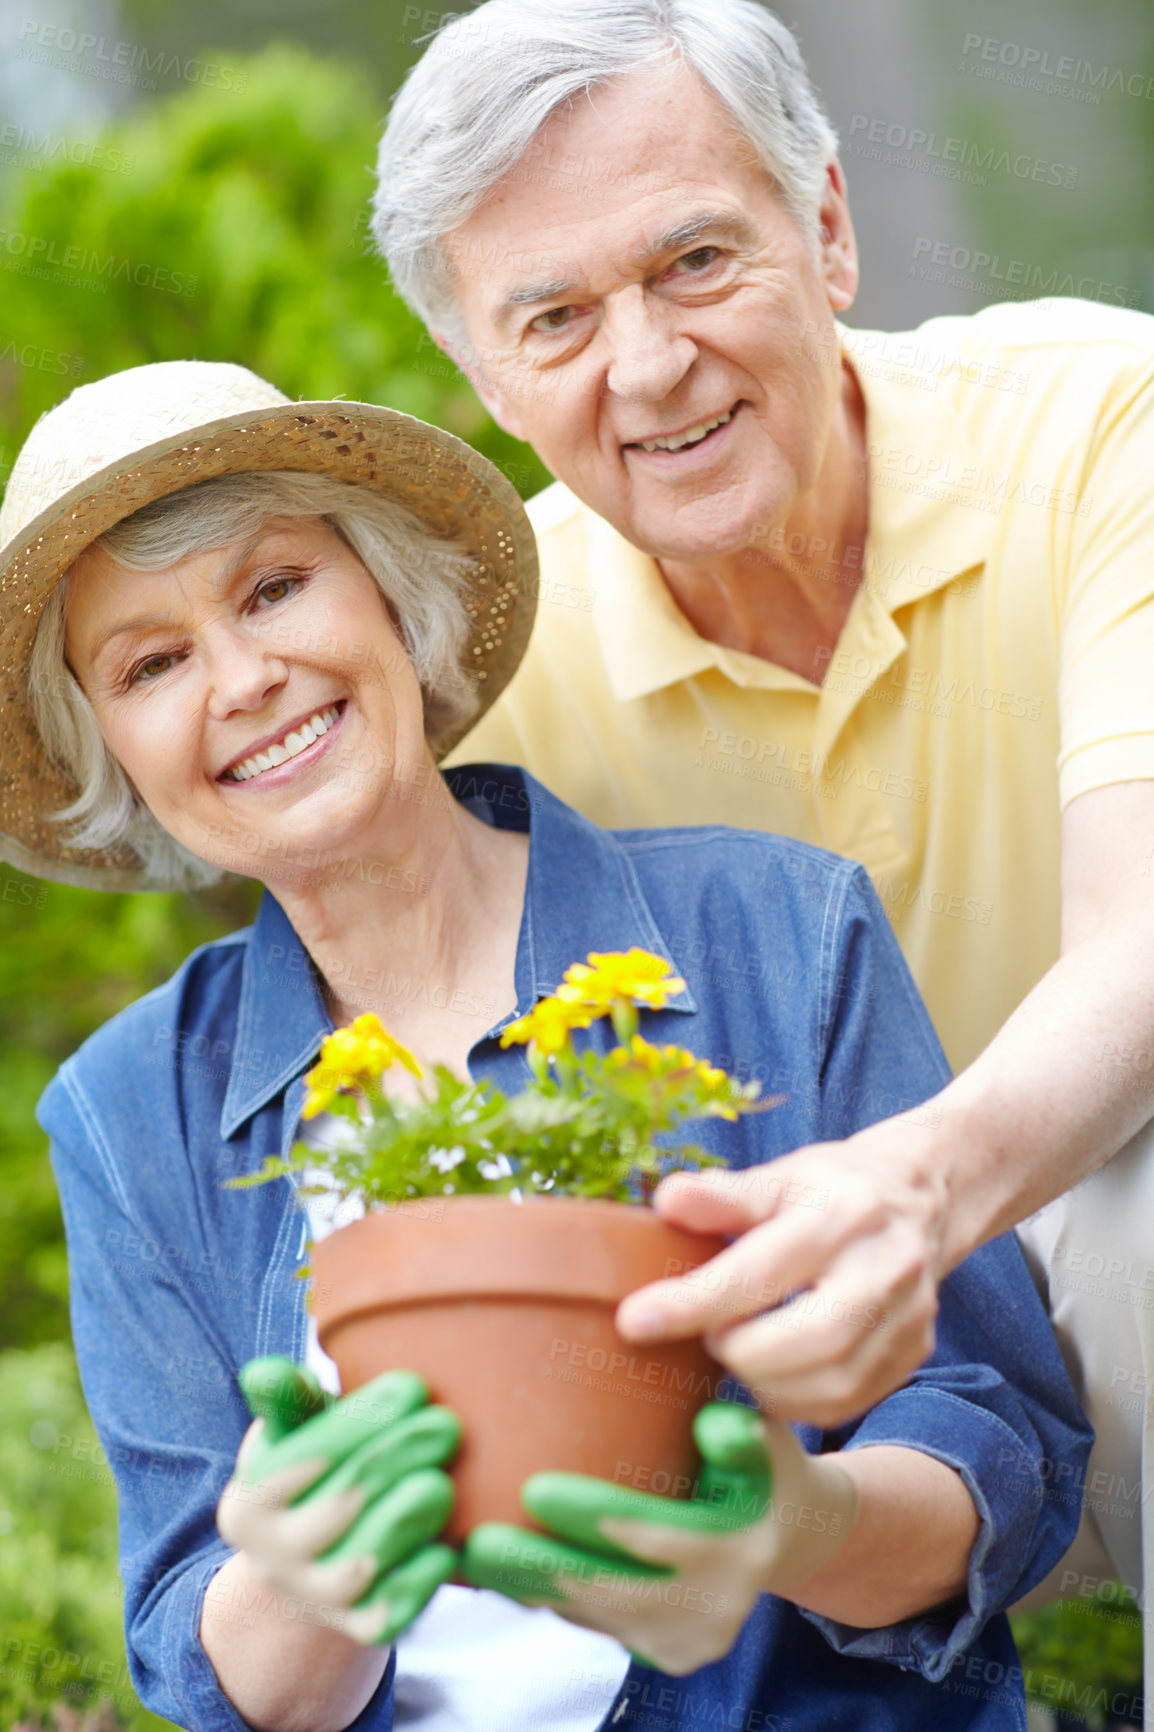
(498, 405)
(839, 261)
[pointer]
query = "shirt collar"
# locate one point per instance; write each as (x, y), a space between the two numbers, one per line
(281, 1017)
(646, 641)
(582, 893)
(927, 505)
(925, 511)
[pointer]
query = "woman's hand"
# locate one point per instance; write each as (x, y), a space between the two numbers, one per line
(675, 1581)
(338, 1504)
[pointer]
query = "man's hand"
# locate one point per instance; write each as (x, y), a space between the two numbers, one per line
(826, 1302)
(843, 1244)
(675, 1581)
(338, 1504)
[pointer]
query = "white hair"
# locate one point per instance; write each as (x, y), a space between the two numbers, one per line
(420, 576)
(489, 80)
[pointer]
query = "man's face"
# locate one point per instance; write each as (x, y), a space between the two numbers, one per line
(638, 278)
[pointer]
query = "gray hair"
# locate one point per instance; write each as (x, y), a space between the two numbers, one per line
(489, 80)
(420, 576)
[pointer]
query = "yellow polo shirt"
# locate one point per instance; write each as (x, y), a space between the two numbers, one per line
(997, 661)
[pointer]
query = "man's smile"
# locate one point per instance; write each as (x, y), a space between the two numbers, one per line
(677, 449)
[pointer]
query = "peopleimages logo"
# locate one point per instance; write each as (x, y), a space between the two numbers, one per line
(41, 256)
(20, 145)
(905, 145)
(1033, 68)
(119, 62)
(974, 268)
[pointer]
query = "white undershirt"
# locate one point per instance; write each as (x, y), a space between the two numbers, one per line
(475, 1661)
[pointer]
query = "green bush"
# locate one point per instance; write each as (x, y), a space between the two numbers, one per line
(60, 1603)
(231, 227)
(70, 959)
(1083, 1658)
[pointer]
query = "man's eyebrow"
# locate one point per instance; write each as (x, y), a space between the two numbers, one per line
(529, 294)
(680, 234)
(691, 228)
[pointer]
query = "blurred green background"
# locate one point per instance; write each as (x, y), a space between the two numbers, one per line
(215, 196)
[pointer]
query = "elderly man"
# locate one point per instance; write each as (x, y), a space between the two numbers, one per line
(887, 594)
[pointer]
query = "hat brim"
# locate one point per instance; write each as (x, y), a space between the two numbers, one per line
(458, 494)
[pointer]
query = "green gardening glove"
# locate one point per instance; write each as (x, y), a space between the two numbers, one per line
(339, 1502)
(675, 1580)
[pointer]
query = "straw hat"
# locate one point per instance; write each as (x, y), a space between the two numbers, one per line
(114, 446)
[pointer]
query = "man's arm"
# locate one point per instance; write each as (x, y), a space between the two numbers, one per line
(1055, 1095)
(1059, 1091)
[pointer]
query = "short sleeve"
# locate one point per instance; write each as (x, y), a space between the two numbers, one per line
(1106, 610)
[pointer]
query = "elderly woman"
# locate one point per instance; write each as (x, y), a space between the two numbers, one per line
(240, 633)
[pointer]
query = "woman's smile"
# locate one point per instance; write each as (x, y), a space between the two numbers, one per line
(289, 752)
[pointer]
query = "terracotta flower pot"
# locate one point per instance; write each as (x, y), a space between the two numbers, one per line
(506, 1310)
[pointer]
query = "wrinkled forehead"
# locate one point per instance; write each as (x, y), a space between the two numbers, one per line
(631, 169)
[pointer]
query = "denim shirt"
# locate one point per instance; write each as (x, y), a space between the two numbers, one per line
(793, 977)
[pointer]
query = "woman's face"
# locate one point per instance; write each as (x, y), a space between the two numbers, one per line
(257, 696)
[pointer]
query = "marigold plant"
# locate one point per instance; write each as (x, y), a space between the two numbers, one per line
(587, 1124)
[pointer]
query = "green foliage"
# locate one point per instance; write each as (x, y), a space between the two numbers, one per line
(234, 228)
(589, 1138)
(1084, 1657)
(70, 959)
(1056, 179)
(588, 1129)
(60, 1603)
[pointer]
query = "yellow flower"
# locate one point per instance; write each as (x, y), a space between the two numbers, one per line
(590, 990)
(667, 1061)
(710, 1074)
(657, 1060)
(607, 976)
(354, 1058)
(548, 1025)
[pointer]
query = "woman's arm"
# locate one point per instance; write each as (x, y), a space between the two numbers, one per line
(910, 1549)
(281, 1667)
(863, 1539)
(153, 1304)
(334, 1510)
